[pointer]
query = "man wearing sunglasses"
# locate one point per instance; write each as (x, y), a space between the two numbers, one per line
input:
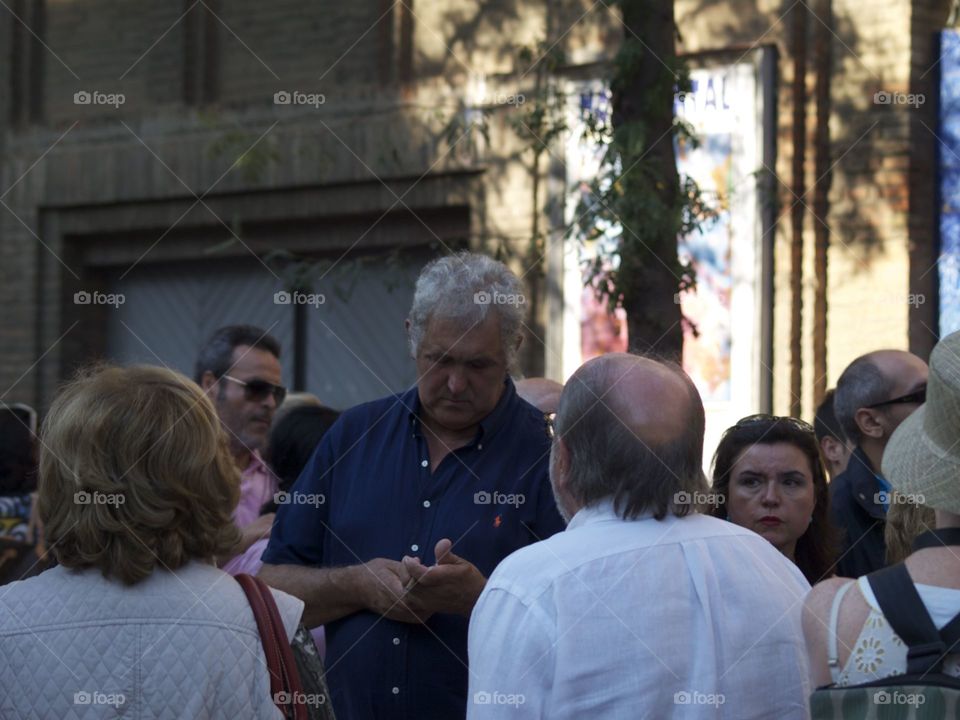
(876, 393)
(239, 369)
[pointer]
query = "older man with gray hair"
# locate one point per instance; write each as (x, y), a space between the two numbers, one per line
(410, 502)
(642, 608)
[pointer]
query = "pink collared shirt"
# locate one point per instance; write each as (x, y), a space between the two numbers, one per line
(257, 486)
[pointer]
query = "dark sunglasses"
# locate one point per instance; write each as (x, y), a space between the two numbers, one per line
(764, 419)
(258, 390)
(919, 397)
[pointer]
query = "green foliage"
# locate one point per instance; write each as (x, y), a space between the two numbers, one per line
(253, 159)
(634, 208)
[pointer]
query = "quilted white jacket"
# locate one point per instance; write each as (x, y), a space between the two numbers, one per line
(178, 645)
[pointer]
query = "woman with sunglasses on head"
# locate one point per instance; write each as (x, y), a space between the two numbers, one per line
(768, 476)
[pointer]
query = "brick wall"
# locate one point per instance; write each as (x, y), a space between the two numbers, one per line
(402, 72)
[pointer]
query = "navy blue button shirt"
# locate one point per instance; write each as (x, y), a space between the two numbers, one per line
(380, 499)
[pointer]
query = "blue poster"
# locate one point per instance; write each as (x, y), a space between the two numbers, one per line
(949, 260)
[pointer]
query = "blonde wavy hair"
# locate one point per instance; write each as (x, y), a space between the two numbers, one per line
(905, 521)
(135, 473)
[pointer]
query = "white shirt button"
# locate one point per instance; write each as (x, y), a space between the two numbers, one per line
(479, 446)
(414, 547)
(424, 463)
(426, 503)
(396, 691)
(396, 641)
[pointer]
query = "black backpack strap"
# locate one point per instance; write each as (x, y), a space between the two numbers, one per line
(940, 537)
(943, 537)
(950, 634)
(904, 610)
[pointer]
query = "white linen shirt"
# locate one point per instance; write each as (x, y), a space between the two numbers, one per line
(687, 617)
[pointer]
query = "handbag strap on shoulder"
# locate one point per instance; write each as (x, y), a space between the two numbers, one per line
(285, 686)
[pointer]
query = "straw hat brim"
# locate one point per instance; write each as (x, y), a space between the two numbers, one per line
(915, 465)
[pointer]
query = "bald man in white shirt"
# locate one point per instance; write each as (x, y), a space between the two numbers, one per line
(642, 608)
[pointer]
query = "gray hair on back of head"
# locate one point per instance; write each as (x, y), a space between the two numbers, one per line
(860, 385)
(466, 287)
(609, 461)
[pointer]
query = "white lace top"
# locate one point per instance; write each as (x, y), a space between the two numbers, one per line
(878, 651)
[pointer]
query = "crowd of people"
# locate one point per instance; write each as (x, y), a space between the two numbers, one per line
(478, 545)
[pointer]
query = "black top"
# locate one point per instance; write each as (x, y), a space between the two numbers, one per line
(859, 514)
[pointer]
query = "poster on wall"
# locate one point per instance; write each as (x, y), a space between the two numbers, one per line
(724, 357)
(722, 108)
(948, 265)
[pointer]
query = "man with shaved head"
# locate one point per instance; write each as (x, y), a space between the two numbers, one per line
(642, 604)
(876, 393)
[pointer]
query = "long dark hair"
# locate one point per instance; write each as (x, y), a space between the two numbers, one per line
(816, 549)
(292, 442)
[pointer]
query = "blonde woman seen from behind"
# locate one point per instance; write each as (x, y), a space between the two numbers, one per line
(137, 488)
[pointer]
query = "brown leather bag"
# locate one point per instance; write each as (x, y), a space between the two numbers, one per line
(285, 686)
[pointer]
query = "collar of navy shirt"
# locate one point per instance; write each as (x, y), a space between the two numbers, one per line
(489, 425)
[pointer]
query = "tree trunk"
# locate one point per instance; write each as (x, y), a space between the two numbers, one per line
(650, 275)
(821, 195)
(798, 209)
